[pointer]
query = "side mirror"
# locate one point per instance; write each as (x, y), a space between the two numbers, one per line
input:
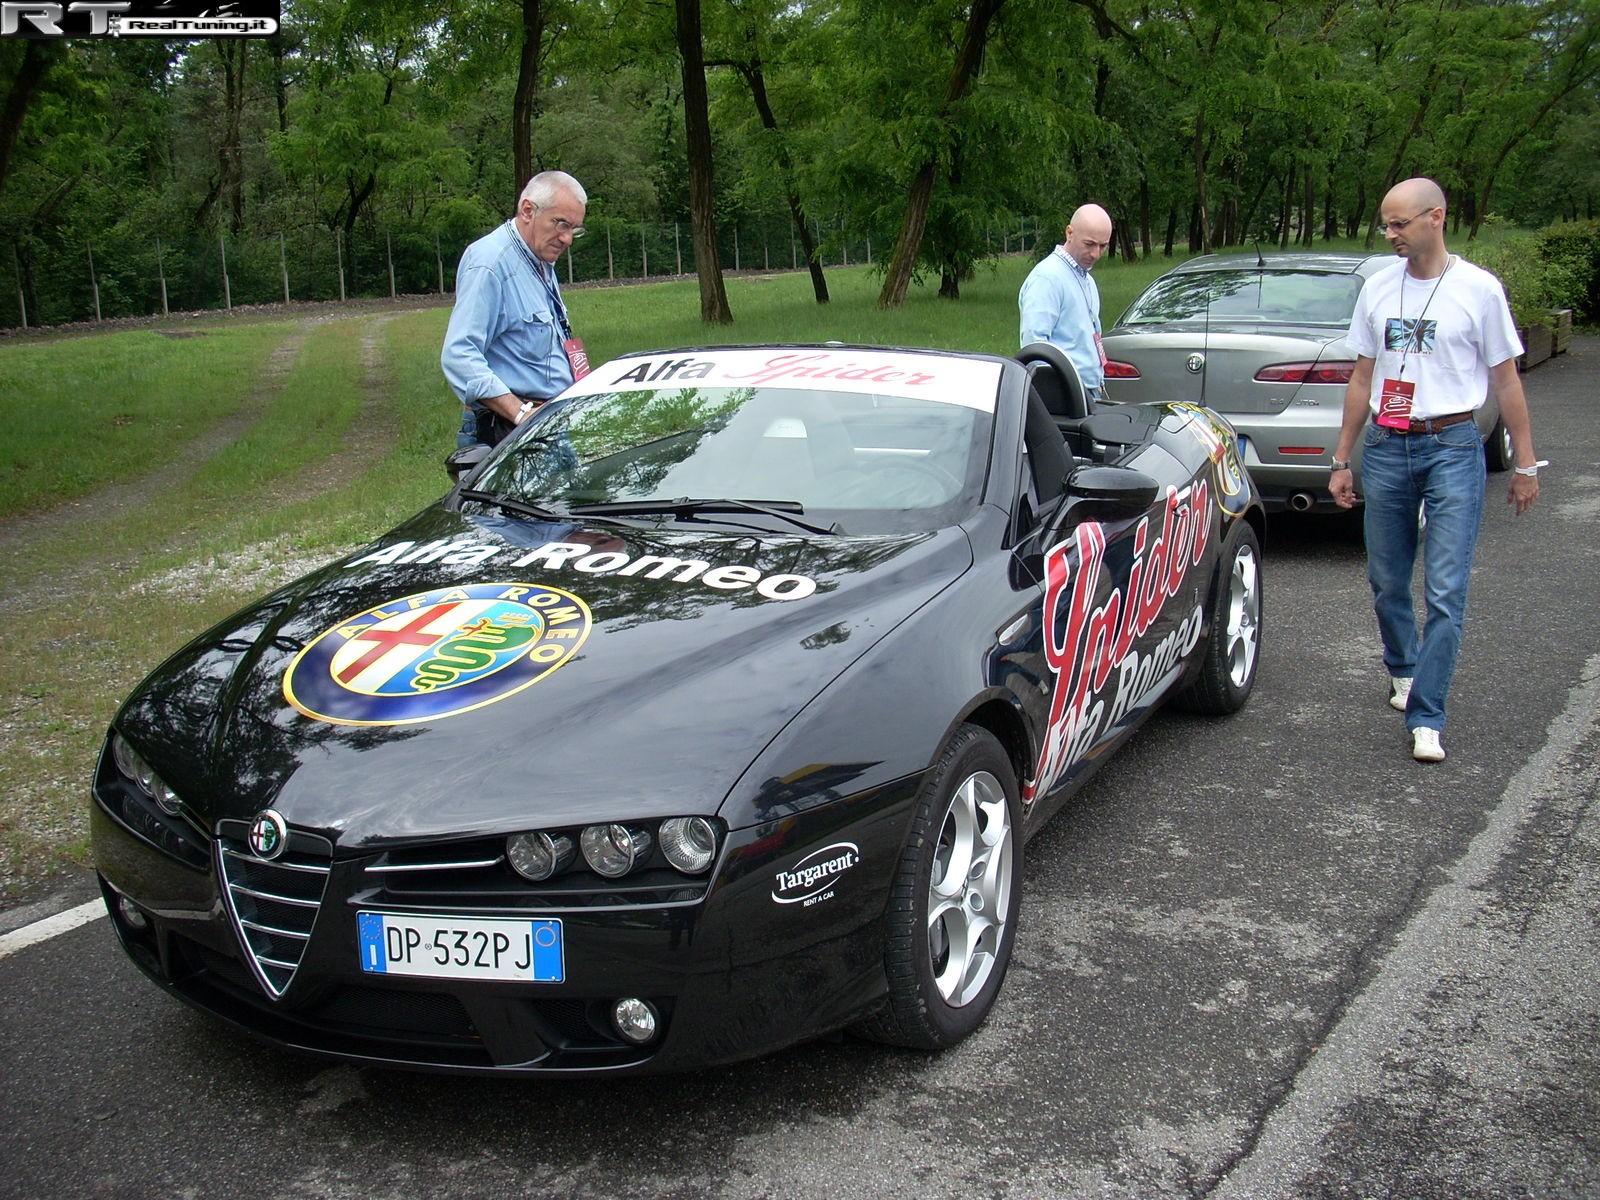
(465, 460)
(1111, 493)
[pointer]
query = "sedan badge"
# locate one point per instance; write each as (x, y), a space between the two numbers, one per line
(269, 834)
(1195, 362)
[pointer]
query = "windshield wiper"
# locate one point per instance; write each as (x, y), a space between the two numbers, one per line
(512, 504)
(690, 506)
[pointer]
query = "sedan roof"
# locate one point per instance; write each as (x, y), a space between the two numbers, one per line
(1282, 260)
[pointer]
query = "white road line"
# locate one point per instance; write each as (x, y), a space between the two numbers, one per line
(1349, 1065)
(41, 931)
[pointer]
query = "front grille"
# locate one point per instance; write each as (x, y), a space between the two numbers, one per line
(273, 905)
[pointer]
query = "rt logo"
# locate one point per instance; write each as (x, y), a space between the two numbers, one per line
(182, 19)
(44, 20)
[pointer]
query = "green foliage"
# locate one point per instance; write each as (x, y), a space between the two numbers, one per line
(1537, 282)
(1573, 249)
(390, 122)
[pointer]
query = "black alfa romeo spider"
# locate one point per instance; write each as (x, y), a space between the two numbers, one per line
(707, 714)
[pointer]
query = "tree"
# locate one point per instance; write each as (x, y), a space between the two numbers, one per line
(26, 65)
(968, 61)
(697, 132)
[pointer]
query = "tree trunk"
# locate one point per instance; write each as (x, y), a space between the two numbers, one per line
(227, 185)
(897, 279)
(1308, 215)
(1286, 207)
(756, 79)
(1201, 218)
(697, 129)
(1144, 215)
(525, 101)
(37, 58)
(280, 84)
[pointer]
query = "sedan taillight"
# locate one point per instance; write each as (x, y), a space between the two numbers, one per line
(1306, 372)
(1121, 370)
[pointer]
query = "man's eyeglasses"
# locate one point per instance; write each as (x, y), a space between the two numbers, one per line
(565, 226)
(1397, 226)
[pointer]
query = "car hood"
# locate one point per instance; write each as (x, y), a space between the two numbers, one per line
(663, 661)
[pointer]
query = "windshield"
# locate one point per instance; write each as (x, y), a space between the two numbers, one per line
(857, 462)
(1251, 296)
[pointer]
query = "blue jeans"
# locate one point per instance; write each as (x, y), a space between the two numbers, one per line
(1444, 474)
(467, 435)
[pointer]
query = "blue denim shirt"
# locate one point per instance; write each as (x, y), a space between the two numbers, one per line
(505, 331)
(1060, 304)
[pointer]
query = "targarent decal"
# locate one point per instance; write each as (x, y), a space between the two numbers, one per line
(435, 654)
(1099, 676)
(812, 879)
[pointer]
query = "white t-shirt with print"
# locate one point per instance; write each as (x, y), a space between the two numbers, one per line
(1441, 338)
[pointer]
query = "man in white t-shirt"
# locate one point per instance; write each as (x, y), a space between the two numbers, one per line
(1431, 334)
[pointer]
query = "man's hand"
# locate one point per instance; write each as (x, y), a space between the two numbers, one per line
(1524, 490)
(1342, 486)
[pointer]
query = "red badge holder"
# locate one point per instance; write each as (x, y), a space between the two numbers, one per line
(1394, 404)
(577, 356)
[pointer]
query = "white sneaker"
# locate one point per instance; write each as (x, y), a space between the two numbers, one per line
(1399, 691)
(1425, 745)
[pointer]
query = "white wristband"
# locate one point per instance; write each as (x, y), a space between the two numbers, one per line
(1533, 470)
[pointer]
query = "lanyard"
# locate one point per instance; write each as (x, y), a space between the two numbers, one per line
(1412, 339)
(1081, 275)
(547, 282)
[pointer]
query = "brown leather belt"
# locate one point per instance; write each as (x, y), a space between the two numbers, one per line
(1433, 424)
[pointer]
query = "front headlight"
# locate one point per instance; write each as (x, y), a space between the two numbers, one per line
(614, 850)
(134, 767)
(689, 843)
(537, 856)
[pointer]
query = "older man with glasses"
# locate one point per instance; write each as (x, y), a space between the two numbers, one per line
(509, 345)
(1431, 334)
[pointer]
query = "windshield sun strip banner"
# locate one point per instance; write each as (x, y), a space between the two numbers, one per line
(969, 382)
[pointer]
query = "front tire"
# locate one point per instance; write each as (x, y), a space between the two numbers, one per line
(953, 904)
(1229, 657)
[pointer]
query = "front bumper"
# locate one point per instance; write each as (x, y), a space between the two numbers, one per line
(732, 972)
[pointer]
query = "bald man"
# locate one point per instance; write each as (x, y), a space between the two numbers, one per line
(1060, 302)
(1431, 333)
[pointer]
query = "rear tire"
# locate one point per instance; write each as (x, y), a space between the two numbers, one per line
(953, 904)
(1233, 648)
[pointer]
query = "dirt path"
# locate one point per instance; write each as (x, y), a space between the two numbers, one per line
(370, 437)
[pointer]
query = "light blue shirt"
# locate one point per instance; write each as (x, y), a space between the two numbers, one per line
(505, 332)
(1060, 304)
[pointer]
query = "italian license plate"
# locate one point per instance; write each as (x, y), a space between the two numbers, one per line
(462, 947)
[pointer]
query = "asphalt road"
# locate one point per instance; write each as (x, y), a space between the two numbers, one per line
(1259, 957)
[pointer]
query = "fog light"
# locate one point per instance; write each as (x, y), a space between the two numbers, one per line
(614, 850)
(131, 916)
(635, 1020)
(537, 856)
(689, 843)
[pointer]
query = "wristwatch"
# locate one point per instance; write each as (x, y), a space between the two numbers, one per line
(1339, 464)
